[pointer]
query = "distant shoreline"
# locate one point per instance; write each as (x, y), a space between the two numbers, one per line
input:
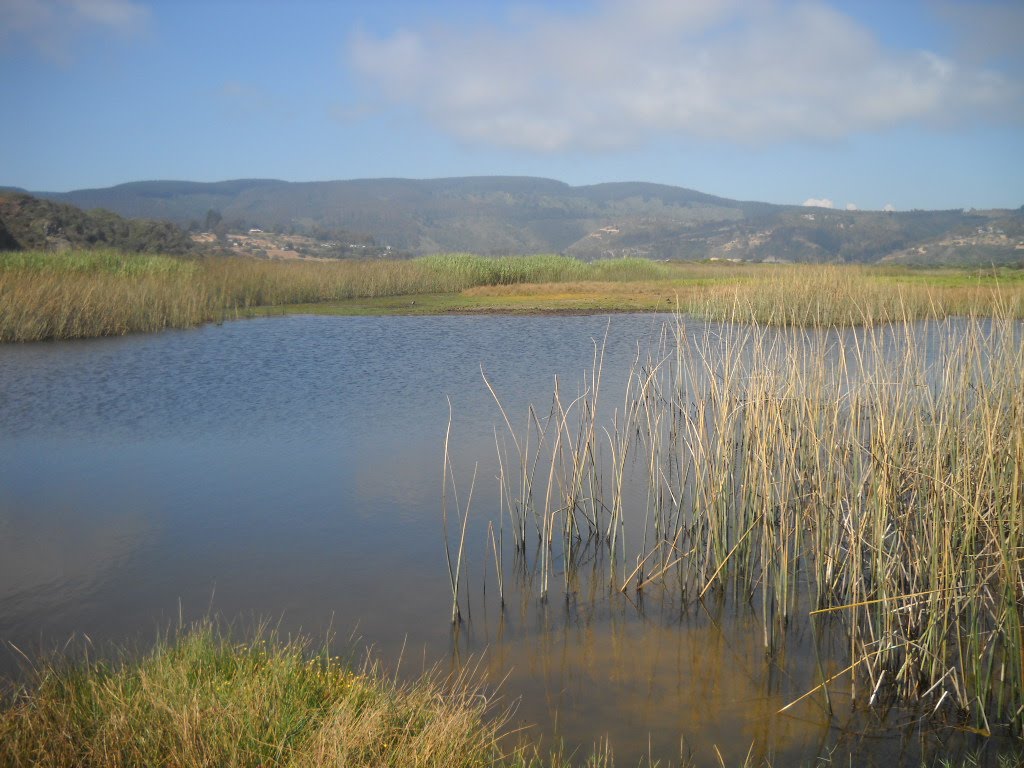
(91, 293)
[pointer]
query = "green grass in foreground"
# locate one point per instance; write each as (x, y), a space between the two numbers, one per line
(203, 699)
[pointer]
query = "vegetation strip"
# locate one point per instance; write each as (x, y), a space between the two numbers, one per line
(81, 294)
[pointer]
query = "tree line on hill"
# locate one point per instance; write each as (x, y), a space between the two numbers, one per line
(30, 223)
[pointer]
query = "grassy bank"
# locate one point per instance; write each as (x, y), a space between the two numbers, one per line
(79, 294)
(203, 700)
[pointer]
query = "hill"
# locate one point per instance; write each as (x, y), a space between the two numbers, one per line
(500, 215)
(997, 237)
(27, 222)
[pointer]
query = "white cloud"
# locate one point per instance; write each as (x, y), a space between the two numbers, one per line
(889, 207)
(623, 72)
(50, 26)
(851, 207)
(816, 202)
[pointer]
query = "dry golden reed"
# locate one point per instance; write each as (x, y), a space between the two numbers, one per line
(869, 480)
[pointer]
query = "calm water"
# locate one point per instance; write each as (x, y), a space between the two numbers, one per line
(290, 468)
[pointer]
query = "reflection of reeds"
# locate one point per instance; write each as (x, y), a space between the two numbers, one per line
(877, 472)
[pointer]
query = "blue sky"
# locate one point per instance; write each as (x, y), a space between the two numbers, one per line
(908, 104)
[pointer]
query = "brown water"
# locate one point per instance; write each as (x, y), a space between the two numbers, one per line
(291, 468)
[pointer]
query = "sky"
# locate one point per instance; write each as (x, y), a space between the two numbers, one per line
(846, 103)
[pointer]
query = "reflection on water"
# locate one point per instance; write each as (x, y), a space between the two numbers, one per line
(645, 683)
(291, 468)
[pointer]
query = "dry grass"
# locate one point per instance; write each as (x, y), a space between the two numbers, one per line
(205, 701)
(790, 295)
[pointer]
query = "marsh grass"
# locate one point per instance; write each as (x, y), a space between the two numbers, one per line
(867, 481)
(467, 270)
(80, 294)
(816, 296)
(95, 262)
(77, 294)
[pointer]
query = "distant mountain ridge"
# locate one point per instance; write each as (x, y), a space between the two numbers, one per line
(510, 214)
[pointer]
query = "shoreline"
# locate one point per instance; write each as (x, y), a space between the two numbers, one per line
(104, 293)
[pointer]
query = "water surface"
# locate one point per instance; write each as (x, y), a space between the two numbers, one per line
(290, 468)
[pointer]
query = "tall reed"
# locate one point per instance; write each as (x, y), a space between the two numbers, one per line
(824, 295)
(877, 472)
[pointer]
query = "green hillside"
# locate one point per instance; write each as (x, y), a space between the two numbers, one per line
(513, 215)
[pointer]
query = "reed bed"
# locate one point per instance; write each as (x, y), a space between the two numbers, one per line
(802, 295)
(869, 481)
(99, 293)
(80, 294)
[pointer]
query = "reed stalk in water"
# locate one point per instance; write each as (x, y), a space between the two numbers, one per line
(877, 472)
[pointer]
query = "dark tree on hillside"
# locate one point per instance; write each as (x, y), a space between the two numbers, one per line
(213, 218)
(7, 241)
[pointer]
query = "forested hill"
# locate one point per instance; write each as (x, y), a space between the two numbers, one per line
(28, 223)
(497, 215)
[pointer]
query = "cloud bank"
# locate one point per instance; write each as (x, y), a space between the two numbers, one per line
(621, 73)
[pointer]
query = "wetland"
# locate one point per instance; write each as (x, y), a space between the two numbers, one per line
(297, 469)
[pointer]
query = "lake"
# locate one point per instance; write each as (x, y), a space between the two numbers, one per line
(291, 469)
